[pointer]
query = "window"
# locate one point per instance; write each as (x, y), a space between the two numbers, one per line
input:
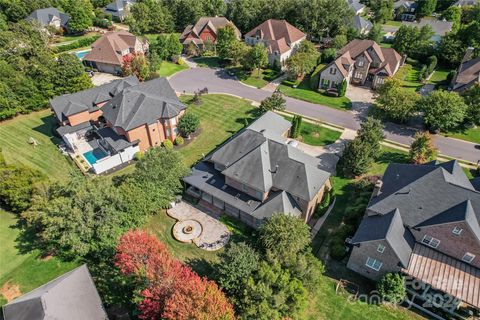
(167, 131)
(333, 71)
(173, 121)
(380, 80)
(430, 241)
(358, 75)
(457, 230)
(468, 257)
(360, 63)
(373, 264)
(208, 38)
(381, 248)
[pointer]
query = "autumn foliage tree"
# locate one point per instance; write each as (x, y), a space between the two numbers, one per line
(169, 290)
(136, 64)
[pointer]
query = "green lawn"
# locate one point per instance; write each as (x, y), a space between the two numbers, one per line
(14, 138)
(409, 77)
(221, 116)
(472, 135)
(305, 92)
(168, 68)
(315, 134)
(393, 23)
(69, 38)
(257, 78)
(439, 77)
(26, 271)
(207, 62)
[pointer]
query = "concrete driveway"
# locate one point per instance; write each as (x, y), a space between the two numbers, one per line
(100, 78)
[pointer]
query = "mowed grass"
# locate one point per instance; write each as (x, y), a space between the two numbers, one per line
(472, 135)
(315, 134)
(27, 271)
(15, 135)
(168, 68)
(221, 116)
(257, 78)
(409, 77)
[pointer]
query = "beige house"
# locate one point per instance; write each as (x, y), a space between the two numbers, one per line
(109, 50)
(361, 62)
(279, 37)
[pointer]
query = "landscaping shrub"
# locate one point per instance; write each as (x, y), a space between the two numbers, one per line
(325, 203)
(328, 55)
(77, 44)
(179, 141)
(167, 144)
(296, 125)
(392, 287)
(139, 155)
(337, 251)
(189, 123)
(342, 88)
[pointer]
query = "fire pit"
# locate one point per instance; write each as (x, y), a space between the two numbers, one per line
(186, 231)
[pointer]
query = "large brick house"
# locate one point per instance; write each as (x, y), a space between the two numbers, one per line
(256, 173)
(361, 62)
(423, 221)
(205, 31)
(109, 50)
(279, 37)
(108, 124)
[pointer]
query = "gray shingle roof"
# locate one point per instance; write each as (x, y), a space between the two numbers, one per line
(71, 296)
(388, 227)
(360, 23)
(143, 104)
(280, 202)
(86, 100)
(44, 16)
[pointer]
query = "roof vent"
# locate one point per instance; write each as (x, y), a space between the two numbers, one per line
(213, 181)
(276, 169)
(224, 187)
(249, 202)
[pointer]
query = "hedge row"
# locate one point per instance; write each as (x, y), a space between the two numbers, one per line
(84, 42)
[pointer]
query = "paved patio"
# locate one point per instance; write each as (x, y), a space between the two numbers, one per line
(214, 235)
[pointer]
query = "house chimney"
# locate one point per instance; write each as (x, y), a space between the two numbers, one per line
(377, 188)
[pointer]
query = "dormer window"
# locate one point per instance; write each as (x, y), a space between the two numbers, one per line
(457, 231)
(468, 257)
(360, 63)
(333, 71)
(381, 248)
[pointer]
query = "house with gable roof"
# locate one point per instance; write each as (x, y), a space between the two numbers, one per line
(109, 50)
(49, 17)
(361, 62)
(205, 30)
(423, 221)
(279, 37)
(468, 73)
(257, 173)
(71, 296)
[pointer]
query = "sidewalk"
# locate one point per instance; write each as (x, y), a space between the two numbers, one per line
(272, 86)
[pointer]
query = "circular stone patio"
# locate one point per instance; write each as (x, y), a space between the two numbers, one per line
(198, 227)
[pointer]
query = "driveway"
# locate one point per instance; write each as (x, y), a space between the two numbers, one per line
(100, 78)
(218, 81)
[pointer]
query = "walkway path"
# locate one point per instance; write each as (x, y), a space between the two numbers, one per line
(219, 81)
(273, 85)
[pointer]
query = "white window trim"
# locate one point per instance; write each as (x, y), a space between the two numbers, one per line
(373, 262)
(430, 242)
(381, 248)
(457, 231)
(468, 254)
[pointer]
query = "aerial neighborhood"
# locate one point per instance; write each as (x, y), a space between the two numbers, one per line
(241, 159)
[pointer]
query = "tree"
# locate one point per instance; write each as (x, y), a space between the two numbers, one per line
(426, 7)
(397, 103)
(371, 131)
(136, 64)
(256, 58)
(167, 46)
(275, 102)
(303, 61)
(156, 180)
(284, 236)
(188, 124)
(238, 52)
(80, 19)
(472, 99)
(450, 50)
(237, 263)
(70, 75)
(375, 33)
(453, 14)
(168, 289)
(413, 41)
(382, 10)
(392, 287)
(342, 88)
(150, 16)
(422, 149)
(271, 293)
(339, 41)
(225, 41)
(443, 110)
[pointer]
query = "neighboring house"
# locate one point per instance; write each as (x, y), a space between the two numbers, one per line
(205, 31)
(405, 10)
(362, 25)
(106, 125)
(356, 6)
(256, 173)
(439, 27)
(49, 17)
(71, 296)
(465, 3)
(109, 50)
(361, 62)
(423, 221)
(468, 73)
(118, 8)
(279, 37)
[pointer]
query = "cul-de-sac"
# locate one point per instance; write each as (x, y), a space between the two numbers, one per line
(239, 159)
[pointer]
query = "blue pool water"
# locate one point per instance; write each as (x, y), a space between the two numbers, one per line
(81, 54)
(94, 155)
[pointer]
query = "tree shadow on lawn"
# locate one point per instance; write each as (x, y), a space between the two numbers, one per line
(202, 267)
(47, 128)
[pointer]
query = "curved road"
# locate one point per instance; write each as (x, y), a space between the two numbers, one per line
(218, 81)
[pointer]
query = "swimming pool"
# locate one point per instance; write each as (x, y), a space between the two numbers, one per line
(81, 54)
(94, 155)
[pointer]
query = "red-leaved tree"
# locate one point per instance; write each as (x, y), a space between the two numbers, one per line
(172, 291)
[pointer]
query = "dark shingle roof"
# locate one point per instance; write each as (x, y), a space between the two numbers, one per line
(71, 296)
(45, 15)
(143, 104)
(86, 100)
(279, 202)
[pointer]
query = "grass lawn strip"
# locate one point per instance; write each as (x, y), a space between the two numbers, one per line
(256, 78)
(168, 68)
(45, 157)
(315, 134)
(471, 135)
